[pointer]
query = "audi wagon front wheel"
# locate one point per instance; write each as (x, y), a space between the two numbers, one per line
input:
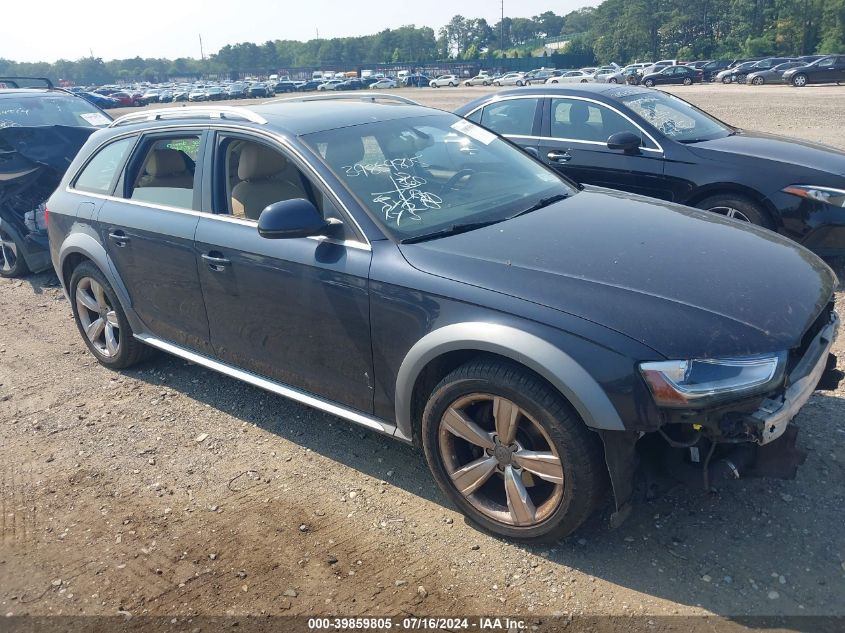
(511, 453)
(101, 319)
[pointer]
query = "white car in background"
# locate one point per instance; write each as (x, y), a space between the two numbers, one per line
(656, 67)
(572, 77)
(510, 79)
(331, 84)
(444, 80)
(482, 79)
(604, 72)
(621, 74)
(383, 83)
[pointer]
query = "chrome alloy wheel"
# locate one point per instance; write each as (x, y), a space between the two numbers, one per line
(8, 252)
(501, 460)
(730, 212)
(98, 318)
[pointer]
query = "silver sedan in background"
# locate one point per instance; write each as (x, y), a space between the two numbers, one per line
(772, 75)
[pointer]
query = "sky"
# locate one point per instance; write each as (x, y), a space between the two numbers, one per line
(47, 30)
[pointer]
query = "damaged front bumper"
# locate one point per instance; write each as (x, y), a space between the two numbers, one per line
(770, 421)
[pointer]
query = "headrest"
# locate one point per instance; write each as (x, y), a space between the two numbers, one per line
(259, 161)
(579, 113)
(165, 162)
(341, 154)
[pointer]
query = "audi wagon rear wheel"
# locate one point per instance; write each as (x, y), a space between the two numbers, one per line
(12, 263)
(511, 453)
(101, 320)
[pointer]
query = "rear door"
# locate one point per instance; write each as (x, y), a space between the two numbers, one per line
(148, 228)
(575, 132)
(516, 118)
(839, 69)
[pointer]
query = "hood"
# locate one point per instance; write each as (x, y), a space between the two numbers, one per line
(28, 154)
(789, 151)
(682, 281)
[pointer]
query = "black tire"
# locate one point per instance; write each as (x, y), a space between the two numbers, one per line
(612, 80)
(519, 82)
(580, 450)
(724, 202)
(758, 81)
(649, 83)
(12, 262)
(726, 80)
(451, 84)
(799, 80)
(130, 350)
(687, 81)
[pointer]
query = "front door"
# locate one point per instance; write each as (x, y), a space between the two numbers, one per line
(575, 133)
(148, 229)
(294, 310)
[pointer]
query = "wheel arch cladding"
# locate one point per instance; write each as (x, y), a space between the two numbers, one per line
(79, 247)
(551, 363)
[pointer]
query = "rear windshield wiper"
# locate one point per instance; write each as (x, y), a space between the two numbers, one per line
(450, 230)
(541, 203)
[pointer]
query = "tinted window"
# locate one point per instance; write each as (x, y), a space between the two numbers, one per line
(513, 116)
(166, 173)
(583, 121)
(99, 174)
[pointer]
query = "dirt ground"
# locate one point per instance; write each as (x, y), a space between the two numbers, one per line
(171, 490)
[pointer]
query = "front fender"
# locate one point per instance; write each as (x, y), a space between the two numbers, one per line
(550, 362)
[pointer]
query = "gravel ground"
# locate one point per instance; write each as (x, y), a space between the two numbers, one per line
(171, 490)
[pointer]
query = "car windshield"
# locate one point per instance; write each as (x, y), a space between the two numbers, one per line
(50, 109)
(675, 118)
(423, 175)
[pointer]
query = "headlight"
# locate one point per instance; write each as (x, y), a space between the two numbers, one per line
(693, 383)
(828, 195)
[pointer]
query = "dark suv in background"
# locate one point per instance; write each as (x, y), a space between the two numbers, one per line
(414, 273)
(41, 129)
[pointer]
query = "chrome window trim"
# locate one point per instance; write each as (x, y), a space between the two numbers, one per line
(570, 140)
(365, 245)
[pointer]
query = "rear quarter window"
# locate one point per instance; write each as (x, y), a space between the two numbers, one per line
(99, 175)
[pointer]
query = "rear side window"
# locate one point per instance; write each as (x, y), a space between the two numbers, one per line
(165, 174)
(99, 174)
(513, 116)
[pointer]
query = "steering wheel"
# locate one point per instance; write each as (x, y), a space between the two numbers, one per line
(461, 175)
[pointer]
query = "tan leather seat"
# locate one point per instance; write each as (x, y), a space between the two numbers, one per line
(166, 168)
(263, 182)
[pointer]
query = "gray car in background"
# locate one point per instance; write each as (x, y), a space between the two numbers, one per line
(772, 75)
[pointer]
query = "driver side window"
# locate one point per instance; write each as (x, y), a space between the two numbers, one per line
(579, 120)
(252, 175)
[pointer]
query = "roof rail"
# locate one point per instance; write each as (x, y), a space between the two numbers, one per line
(25, 82)
(191, 112)
(373, 97)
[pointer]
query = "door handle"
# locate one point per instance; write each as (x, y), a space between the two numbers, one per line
(119, 238)
(215, 261)
(559, 157)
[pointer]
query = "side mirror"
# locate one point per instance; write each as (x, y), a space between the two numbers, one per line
(628, 142)
(291, 218)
